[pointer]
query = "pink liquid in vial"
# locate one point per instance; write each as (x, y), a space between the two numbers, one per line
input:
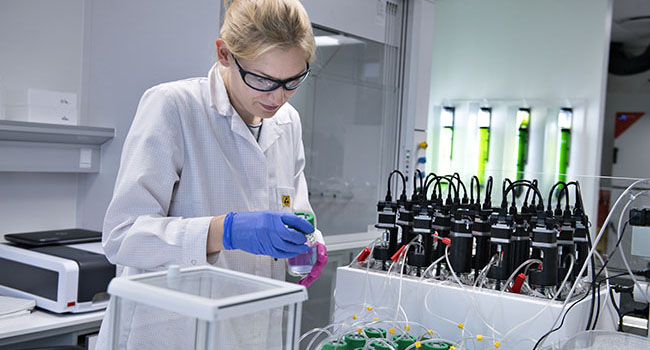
(302, 264)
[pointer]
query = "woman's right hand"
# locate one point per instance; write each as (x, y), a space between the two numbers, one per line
(266, 233)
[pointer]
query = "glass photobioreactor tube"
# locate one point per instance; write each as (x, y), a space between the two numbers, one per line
(446, 148)
(484, 120)
(523, 121)
(565, 121)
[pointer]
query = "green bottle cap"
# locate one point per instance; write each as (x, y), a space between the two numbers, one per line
(307, 216)
(335, 345)
(404, 340)
(383, 346)
(355, 340)
(375, 332)
(436, 345)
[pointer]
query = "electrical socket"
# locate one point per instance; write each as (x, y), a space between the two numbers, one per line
(640, 217)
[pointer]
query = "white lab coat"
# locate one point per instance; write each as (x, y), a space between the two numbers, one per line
(188, 157)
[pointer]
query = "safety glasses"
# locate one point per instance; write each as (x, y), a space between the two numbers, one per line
(260, 83)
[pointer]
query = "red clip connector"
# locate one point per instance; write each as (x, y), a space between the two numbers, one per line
(446, 241)
(519, 281)
(397, 254)
(364, 255)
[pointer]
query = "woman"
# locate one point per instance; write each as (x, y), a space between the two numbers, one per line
(212, 170)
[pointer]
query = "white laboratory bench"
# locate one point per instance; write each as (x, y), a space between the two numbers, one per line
(40, 326)
(47, 328)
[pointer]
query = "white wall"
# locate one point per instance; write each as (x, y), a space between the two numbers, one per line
(40, 47)
(130, 46)
(527, 49)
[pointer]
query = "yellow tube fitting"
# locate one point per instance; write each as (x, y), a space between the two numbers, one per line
(391, 331)
(423, 145)
(452, 348)
(497, 344)
(376, 319)
(407, 327)
(369, 308)
(479, 337)
(359, 330)
(461, 326)
(430, 331)
(354, 317)
(418, 344)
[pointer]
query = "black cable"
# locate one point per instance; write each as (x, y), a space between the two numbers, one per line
(569, 309)
(550, 194)
(451, 184)
(534, 183)
(610, 292)
(388, 194)
(618, 242)
(487, 204)
(578, 203)
(618, 309)
(504, 195)
(527, 184)
(478, 190)
(428, 182)
(461, 183)
(415, 178)
(514, 194)
(561, 323)
(593, 286)
(566, 201)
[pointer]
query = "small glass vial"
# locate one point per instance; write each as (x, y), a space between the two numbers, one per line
(301, 265)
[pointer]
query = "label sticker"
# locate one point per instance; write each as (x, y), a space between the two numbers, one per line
(286, 201)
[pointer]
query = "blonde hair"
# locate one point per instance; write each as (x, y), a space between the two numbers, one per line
(252, 27)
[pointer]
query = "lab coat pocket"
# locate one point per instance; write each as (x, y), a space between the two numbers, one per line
(284, 199)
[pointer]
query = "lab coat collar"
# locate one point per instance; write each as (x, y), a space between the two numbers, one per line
(219, 100)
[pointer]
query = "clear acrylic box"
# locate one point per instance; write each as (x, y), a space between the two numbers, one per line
(204, 308)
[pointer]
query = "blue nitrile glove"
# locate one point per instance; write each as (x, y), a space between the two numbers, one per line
(265, 233)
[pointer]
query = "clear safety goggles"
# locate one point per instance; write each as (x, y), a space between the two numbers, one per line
(261, 83)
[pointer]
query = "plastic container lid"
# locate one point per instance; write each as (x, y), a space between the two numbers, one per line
(404, 340)
(606, 340)
(375, 332)
(307, 216)
(435, 345)
(355, 340)
(335, 345)
(383, 345)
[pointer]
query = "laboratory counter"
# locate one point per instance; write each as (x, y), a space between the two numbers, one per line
(46, 328)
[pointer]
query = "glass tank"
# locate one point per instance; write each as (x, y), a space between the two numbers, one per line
(204, 308)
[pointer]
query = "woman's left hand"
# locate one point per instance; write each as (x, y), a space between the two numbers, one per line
(321, 253)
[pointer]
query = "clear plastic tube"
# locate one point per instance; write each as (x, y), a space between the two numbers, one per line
(484, 271)
(549, 303)
(514, 273)
(593, 248)
(430, 267)
(472, 296)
